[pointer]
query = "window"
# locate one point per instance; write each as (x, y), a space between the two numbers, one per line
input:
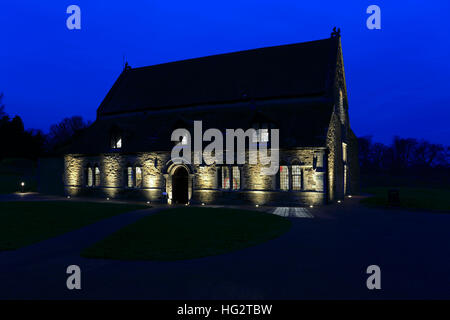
(236, 178)
(184, 140)
(318, 157)
(97, 177)
(138, 177)
(261, 133)
(284, 177)
(116, 142)
(231, 178)
(90, 177)
(225, 178)
(344, 151)
(119, 143)
(116, 138)
(134, 177)
(296, 178)
(264, 133)
(255, 136)
(130, 178)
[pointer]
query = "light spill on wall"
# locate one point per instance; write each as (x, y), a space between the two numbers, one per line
(111, 174)
(73, 174)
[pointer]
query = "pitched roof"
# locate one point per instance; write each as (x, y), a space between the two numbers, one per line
(272, 72)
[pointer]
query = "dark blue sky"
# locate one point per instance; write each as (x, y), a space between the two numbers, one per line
(397, 77)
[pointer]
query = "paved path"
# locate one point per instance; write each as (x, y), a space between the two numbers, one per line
(324, 257)
(292, 212)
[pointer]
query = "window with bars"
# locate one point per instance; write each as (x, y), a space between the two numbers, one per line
(138, 177)
(284, 177)
(97, 177)
(225, 178)
(90, 177)
(296, 177)
(236, 178)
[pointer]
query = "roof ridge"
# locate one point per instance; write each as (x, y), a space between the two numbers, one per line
(233, 53)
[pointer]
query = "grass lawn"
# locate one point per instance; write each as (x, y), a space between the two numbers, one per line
(186, 233)
(24, 223)
(414, 198)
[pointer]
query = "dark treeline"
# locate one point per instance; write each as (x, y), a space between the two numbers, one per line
(409, 157)
(20, 143)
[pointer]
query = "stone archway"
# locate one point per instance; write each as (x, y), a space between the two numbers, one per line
(180, 185)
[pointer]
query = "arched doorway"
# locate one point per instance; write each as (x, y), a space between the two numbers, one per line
(180, 185)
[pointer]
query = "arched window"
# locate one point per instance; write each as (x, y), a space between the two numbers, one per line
(230, 177)
(138, 177)
(225, 177)
(134, 177)
(90, 177)
(130, 177)
(97, 176)
(236, 173)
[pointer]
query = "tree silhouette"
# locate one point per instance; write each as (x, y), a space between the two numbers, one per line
(2, 106)
(61, 134)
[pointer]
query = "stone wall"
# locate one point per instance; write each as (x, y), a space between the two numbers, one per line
(204, 181)
(113, 168)
(334, 160)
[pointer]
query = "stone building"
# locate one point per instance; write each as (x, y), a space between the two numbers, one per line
(299, 89)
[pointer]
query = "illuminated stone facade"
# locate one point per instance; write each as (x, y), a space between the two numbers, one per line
(203, 180)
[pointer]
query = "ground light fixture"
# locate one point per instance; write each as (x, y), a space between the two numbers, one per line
(68, 197)
(148, 202)
(339, 201)
(107, 199)
(203, 203)
(311, 206)
(22, 187)
(257, 205)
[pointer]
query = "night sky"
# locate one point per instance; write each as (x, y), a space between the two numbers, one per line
(398, 78)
